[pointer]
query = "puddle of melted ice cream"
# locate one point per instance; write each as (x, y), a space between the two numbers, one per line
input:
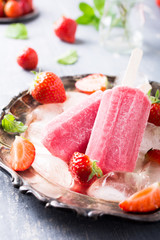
(113, 186)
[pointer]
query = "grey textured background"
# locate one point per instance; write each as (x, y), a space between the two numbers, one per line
(22, 216)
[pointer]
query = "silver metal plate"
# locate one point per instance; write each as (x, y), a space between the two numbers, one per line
(52, 194)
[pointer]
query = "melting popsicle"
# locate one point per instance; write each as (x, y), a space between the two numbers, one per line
(70, 131)
(120, 123)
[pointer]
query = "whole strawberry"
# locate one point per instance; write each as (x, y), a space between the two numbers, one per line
(1, 9)
(48, 88)
(154, 116)
(83, 170)
(26, 5)
(153, 155)
(28, 59)
(158, 3)
(65, 29)
(12, 9)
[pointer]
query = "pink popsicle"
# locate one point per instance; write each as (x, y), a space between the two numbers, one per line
(118, 129)
(70, 131)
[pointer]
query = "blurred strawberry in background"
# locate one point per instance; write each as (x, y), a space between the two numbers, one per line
(1, 9)
(26, 5)
(158, 3)
(65, 29)
(28, 59)
(13, 9)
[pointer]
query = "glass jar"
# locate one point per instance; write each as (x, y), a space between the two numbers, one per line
(120, 26)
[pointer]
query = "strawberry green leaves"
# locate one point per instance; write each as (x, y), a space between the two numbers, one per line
(96, 171)
(10, 125)
(68, 58)
(91, 15)
(17, 31)
(152, 98)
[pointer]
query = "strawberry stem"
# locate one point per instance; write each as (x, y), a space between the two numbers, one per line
(95, 171)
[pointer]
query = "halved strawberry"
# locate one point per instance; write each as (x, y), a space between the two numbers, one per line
(146, 200)
(22, 154)
(153, 155)
(48, 88)
(92, 83)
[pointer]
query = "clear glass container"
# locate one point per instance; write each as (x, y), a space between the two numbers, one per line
(121, 24)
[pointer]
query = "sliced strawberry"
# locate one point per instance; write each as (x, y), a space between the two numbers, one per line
(92, 83)
(48, 88)
(146, 200)
(153, 155)
(22, 154)
(65, 28)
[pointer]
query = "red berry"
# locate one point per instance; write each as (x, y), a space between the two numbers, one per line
(154, 116)
(22, 154)
(158, 3)
(28, 59)
(48, 88)
(1, 9)
(65, 29)
(26, 6)
(146, 200)
(83, 170)
(153, 155)
(13, 9)
(92, 83)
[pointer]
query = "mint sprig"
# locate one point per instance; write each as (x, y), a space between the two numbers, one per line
(91, 14)
(70, 57)
(10, 125)
(17, 31)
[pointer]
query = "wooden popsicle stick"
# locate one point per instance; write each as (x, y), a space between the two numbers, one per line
(132, 68)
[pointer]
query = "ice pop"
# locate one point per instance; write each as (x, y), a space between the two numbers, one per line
(118, 129)
(120, 123)
(70, 131)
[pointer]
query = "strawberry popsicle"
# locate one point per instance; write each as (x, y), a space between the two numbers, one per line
(118, 129)
(70, 131)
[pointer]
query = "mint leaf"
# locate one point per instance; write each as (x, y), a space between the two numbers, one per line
(9, 124)
(68, 58)
(84, 19)
(95, 22)
(86, 9)
(99, 5)
(17, 31)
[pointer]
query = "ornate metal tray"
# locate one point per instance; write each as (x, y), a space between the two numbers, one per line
(27, 17)
(53, 194)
